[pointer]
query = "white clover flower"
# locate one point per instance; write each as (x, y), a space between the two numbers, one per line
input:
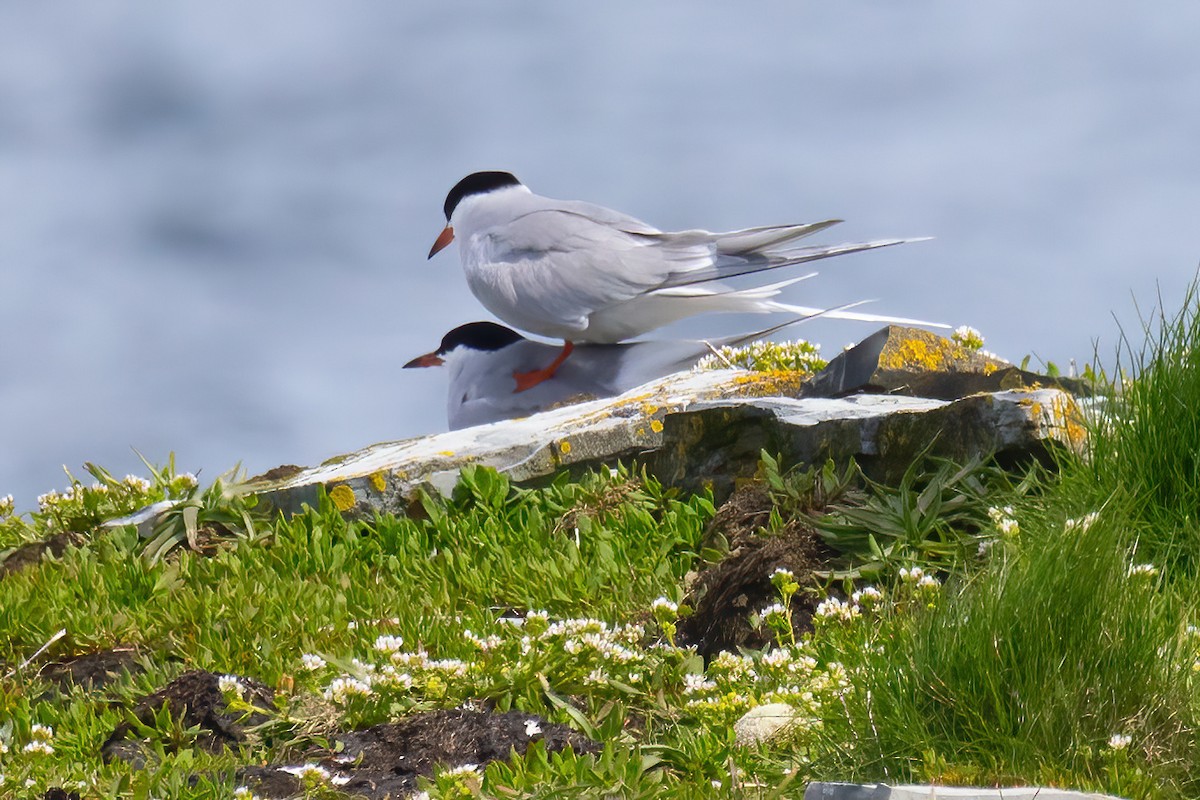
(388, 644)
(312, 662)
(342, 689)
(839, 610)
(968, 337)
(231, 684)
(532, 728)
(1143, 571)
(1082, 523)
(1119, 741)
(664, 605)
(310, 772)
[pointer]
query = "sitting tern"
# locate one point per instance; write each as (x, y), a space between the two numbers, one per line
(579, 272)
(482, 357)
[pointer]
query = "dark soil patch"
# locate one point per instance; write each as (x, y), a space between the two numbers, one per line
(196, 699)
(385, 760)
(92, 671)
(58, 793)
(33, 552)
(728, 593)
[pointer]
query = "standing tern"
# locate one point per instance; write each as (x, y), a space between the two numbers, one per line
(482, 357)
(579, 272)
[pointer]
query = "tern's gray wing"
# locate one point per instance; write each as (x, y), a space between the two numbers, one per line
(567, 260)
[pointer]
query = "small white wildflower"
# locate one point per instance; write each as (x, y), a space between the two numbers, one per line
(388, 644)
(344, 688)
(833, 608)
(41, 733)
(1143, 571)
(782, 574)
(7, 506)
(693, 683)
(928, 582)
(339, 780)
(312, 662)
(1082, 523)
(867, 597)
(231, 684)
(244, 793)
(1118, 741)
(985, 546)
(912, 575)
(463, 769)
(186, 480)
(968, 337)
(597, 677)
(310, 772)
(666, 606)
(40, 747)
(352, 625)
(773, 611)
(997, 513)
(136, 482)
(532, 728)
(1008, 527)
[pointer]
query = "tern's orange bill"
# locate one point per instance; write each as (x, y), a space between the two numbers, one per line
(427, 360)
(444, 238)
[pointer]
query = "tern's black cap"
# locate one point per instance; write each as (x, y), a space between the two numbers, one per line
(479, 336)
(477, 183)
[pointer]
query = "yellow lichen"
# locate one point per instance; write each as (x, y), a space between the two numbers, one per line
(564, 446)
(656, 426)
(343, 497)
(378, 481)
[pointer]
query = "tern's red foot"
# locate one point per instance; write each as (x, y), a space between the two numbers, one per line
(528, 380)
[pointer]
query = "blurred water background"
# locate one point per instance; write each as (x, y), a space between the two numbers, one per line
(214, 216)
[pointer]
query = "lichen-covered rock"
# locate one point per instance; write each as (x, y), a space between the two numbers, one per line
(917, 363)
(691, 430)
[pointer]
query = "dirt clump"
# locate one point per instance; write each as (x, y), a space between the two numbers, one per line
(726, 594)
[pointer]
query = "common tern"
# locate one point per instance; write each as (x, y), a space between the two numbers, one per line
(482, 357)
(579, 272)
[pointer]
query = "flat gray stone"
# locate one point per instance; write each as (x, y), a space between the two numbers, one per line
(881, 791)
(691, 430)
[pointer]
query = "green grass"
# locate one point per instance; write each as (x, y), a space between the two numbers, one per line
(1041, 652)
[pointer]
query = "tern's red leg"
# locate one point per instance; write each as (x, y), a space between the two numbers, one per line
(528, 380)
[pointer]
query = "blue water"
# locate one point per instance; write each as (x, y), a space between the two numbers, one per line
(214, 216)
